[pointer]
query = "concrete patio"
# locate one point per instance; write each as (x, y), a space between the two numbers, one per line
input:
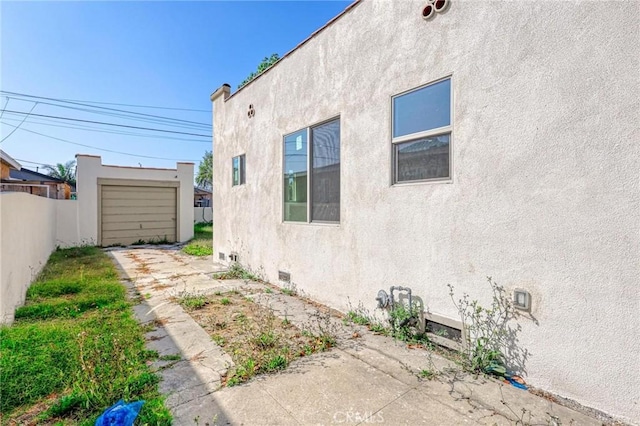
(368, 378)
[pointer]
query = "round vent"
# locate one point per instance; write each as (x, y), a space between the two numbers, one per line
(434, 6)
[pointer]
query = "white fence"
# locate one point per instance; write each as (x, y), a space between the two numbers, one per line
(202, 214)
(31, 227)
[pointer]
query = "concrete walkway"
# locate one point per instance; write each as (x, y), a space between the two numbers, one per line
(367, 379)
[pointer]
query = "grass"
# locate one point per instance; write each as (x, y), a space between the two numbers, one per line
(236, 272)
(191, 302)
(75, 348)
(202, 242)
(257, 340)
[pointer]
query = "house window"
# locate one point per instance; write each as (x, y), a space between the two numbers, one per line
(238, 173)
(421, 135)
(312, 174)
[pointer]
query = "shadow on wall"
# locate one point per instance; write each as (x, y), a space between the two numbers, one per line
(491, 333)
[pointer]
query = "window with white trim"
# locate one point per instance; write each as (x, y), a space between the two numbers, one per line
(312, 174)
(421, 133)
(237, 170)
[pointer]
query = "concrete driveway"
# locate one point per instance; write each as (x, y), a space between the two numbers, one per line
(367, 379)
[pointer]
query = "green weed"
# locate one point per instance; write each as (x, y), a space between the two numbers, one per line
(191, 302)
(202, 242)
(76, 337)
(486, 330)
(236, 272)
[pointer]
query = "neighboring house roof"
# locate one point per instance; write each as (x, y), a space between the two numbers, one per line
(25, 174)
(6, 158)
(203, 191)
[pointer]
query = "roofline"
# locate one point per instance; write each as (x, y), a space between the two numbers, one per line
(303, 42)
(10, 160)
(138, 168)
(49, 178)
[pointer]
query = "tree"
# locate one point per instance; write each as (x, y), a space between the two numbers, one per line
(264, 65)
(204, 178)
(65, 172)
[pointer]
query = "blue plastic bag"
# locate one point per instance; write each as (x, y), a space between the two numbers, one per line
(120, 414)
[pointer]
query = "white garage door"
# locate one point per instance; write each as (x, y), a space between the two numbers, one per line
(131, 214)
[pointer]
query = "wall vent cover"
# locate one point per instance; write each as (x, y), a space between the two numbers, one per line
(221, 256)
(284, 276)
(444, 331)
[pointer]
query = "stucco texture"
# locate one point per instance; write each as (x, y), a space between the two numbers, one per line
(31, 227)
(545, 191)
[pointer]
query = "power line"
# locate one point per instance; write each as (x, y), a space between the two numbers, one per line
(104, 108)
(118, 104)
(5, 107)
(163, 121)
(97, 130)
(20, 124)
(32, 162)
(99, 149)
(111, 124)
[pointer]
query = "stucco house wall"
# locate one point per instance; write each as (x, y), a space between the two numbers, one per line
(90, 169)
(544, 194)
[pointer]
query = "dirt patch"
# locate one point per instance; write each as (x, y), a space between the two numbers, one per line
(256, 339)
(141, 266)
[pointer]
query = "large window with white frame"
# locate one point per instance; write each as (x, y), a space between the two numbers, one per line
(312, 174)
(421, 133)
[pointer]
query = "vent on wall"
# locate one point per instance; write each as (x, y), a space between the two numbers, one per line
(444, 331)
(433, 7)
(284, 276)
(221, 255)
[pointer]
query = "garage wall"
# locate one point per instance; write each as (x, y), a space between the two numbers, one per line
(90, 169)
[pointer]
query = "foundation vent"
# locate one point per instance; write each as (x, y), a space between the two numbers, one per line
(284, 276)
(444, 331)
(221, 255)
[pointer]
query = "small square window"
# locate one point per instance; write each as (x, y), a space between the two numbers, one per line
(238, 170)
(422, 133)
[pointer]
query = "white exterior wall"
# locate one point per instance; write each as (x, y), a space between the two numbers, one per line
(545, 193)
(90, 169)
(202, 214)
(31, 228)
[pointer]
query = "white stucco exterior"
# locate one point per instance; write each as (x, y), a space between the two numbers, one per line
(545, 192)
(90, 170)
(31, 227)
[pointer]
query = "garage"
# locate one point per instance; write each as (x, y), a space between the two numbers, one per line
(133, 214)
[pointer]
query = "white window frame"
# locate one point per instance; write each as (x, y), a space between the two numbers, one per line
(423, 134)
(309, 171)
(242, 165)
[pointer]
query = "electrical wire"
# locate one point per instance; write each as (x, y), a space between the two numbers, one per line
(103, 103)
(111, 124)
(32, 162)
(45, 122)
(4, 107)
(127, 114)
(100, 149)
(20, 124)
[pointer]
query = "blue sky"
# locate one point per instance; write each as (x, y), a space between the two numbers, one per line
(165, 54)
